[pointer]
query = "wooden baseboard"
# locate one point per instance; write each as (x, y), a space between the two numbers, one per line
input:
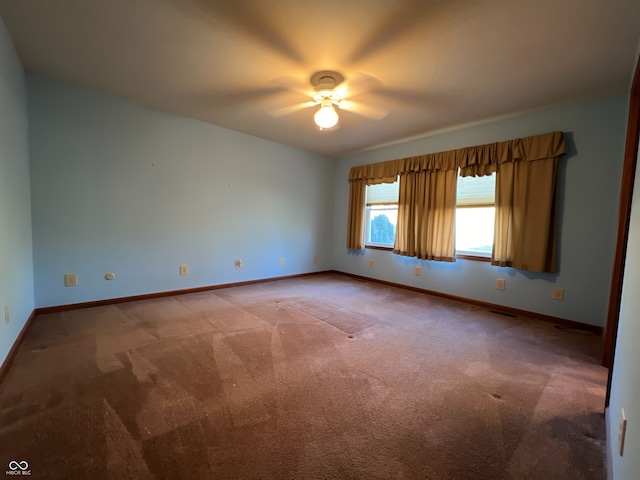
(16, 346)
(149, 296)
(489, 306)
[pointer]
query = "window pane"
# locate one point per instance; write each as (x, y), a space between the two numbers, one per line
(474, 230)
(476, 190)
(381, 225)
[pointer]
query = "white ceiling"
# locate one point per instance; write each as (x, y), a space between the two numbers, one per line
(436, 63)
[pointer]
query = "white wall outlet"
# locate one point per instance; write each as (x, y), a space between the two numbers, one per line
(110, 276)
(70, 280)
(184, 269)
(238, 264)
(500, 283)
(418, 271)
(622, 431)
(557, 294)
(315, 259)
(371, 263)
(7, 317)
(281, 260)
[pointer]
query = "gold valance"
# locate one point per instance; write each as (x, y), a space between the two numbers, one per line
(472, 161)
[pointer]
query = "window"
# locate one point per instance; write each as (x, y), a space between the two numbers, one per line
(475, 212)
(475, 215)
(381, 214)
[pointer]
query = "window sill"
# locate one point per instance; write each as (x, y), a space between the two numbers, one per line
(376, 247)
(474, 257)
(461, 256)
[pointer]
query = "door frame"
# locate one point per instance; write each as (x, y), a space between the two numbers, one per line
(624, 217)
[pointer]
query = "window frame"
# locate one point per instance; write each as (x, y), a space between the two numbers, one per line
(378, 206)
(463, 254)
(367, 224)
(472, 255)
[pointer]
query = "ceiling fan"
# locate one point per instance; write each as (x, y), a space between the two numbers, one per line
(330, 91)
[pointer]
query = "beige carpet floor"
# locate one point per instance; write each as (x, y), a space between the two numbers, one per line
(323, 377)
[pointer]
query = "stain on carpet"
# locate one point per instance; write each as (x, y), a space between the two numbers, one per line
(336, 317)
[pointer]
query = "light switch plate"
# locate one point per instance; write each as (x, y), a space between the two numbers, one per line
(622, 431)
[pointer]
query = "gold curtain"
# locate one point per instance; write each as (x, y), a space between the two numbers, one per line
(525, 199)
(472, 161)
(355, 228)
(426, 215)
(525, 222)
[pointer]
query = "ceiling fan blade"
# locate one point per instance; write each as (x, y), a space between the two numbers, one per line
(406, 96)
(415, 99)
(233, 98)
(364, 110)
(294, 84)
(279, 112)
(358, 83)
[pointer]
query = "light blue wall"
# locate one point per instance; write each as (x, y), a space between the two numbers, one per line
(118, 187)
(625, 385)
(16, 262)
(124, 188)
(589, 184)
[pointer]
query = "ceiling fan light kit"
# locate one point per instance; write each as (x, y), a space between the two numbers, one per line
(327, 116)
(324, 83)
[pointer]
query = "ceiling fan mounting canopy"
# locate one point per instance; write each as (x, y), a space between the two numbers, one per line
(326, 80)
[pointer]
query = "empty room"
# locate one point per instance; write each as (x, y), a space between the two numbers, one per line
(338, 240)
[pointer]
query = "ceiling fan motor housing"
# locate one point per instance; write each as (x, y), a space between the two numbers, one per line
(324, 82)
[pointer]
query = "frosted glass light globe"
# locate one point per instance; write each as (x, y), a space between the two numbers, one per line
(326, 117)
